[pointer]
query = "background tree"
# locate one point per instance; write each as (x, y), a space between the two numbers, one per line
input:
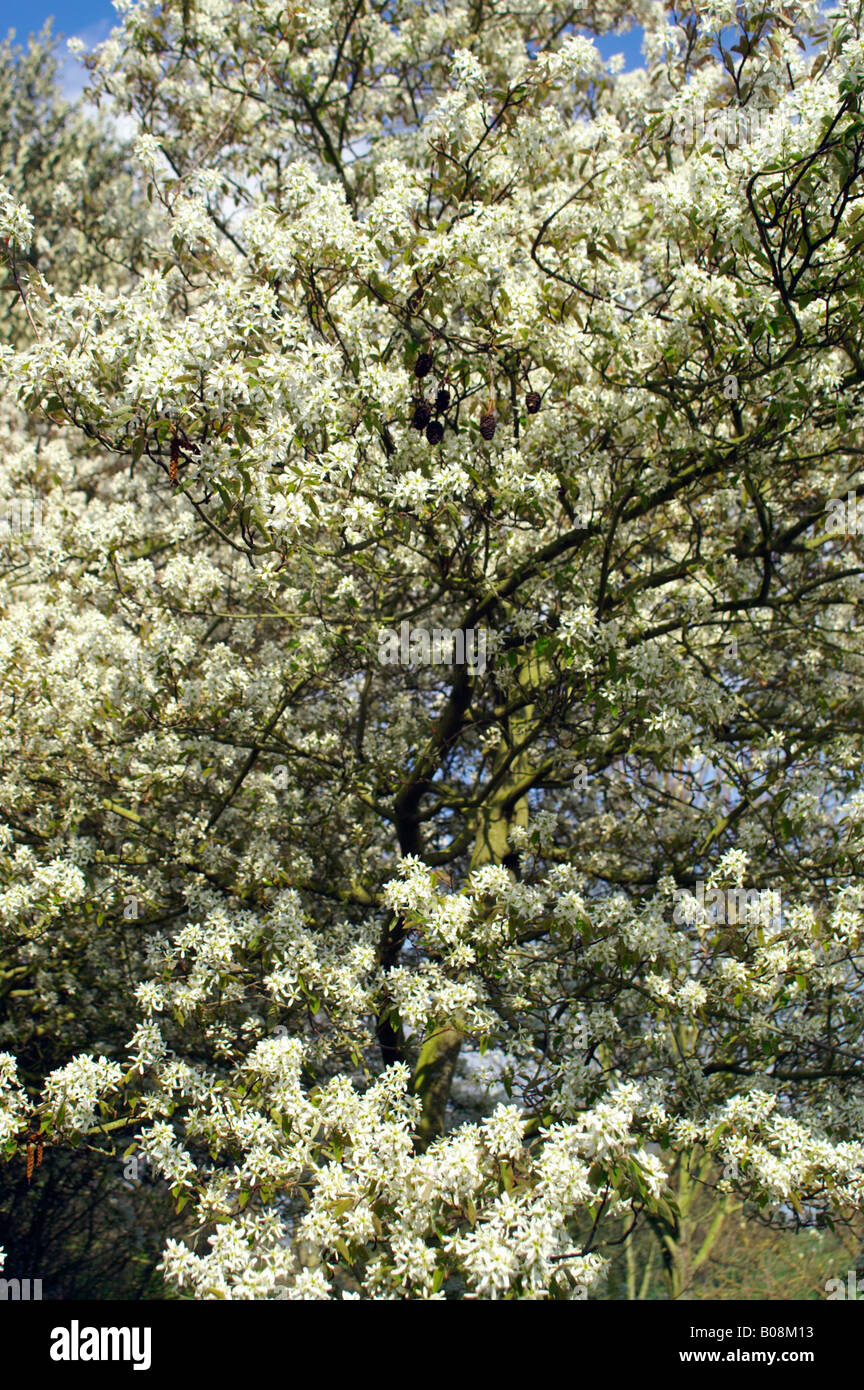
(73, 171)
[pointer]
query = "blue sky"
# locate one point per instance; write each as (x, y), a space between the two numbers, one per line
(70, 16)
(89, 20)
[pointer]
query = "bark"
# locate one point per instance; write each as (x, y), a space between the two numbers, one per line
(505, 807)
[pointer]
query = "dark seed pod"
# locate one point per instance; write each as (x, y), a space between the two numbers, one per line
(442, 400)
(174, 465)
(488, 423)
(532, 402)
(423, 365)
(422, 415)
(434, 432)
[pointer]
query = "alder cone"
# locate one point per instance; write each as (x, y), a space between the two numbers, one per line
(488, 423)
(421, 417)
(434, 432)
(173, 466)
(442, 400)
(423, 365)
(532, 402)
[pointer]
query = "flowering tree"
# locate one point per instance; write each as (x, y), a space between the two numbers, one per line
(431, 798)
(75, 177)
